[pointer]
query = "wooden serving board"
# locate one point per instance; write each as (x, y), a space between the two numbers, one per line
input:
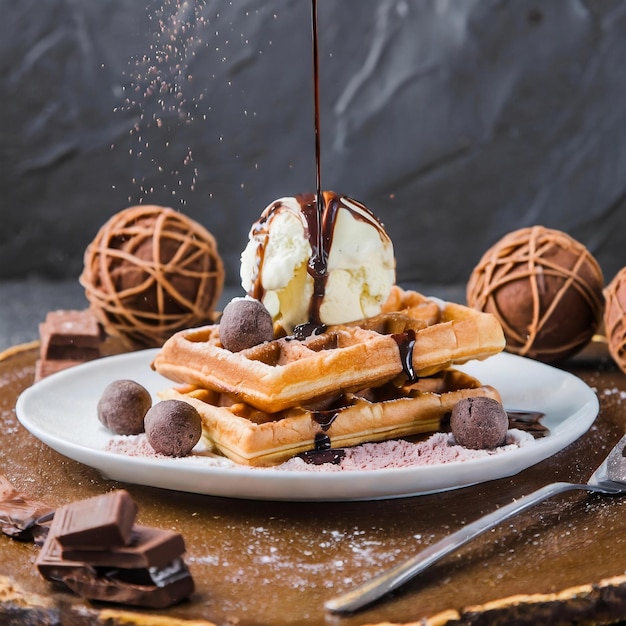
(277, 562)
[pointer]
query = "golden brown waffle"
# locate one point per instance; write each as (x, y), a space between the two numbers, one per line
(285, 372)
(252, 437)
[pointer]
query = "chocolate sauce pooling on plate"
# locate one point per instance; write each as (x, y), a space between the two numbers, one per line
(322, 453)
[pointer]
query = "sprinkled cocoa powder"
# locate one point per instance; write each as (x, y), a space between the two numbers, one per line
(437, 449)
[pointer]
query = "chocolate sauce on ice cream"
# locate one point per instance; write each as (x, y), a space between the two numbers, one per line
(320, 228)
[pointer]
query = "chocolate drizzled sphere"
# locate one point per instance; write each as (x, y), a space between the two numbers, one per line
(545, 288)
(150, 272)
(615, 318)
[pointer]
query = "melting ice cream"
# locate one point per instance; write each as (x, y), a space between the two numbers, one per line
(332, 267)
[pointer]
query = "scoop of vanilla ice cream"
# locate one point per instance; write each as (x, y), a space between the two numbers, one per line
(360, 263)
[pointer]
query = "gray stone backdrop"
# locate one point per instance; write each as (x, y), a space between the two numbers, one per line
(455, 121)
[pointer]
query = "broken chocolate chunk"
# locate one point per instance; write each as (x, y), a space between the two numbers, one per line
(95, 549)
(75, 330)
(152, 587)
(68, 338)
(155, 588)
(148, 547)
(105, 520)
(21, 517)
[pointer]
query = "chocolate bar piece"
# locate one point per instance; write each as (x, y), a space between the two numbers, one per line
(53, 566)
(78, 329)
(45, 368)
(95, 549)
(153, 587)
(70, 353)
(148, 547)
(22, 517)
(68, 338)
(101, 521)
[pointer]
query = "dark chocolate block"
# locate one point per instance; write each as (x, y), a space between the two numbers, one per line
(45, 368)
(22, 517)
(153, 587)
(78, 329)
(100, 522)
(148, 547)
(53, 566)
(68, 338)
(71, 353)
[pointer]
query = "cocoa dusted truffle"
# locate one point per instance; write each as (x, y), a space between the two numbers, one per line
(615, 318)
(150, 272)
(123, 406)
(545, 288)
(245, 322)
(173, 427)
(479, 423)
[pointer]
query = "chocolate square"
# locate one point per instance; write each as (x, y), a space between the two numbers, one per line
(153, 587)
(98, 522)
(79, 329)
(148, 547)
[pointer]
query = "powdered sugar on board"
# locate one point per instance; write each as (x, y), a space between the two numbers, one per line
(437, 449)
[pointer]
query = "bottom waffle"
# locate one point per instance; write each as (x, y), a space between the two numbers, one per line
(252, 437)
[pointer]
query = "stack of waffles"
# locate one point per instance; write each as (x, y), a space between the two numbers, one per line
(384, 377)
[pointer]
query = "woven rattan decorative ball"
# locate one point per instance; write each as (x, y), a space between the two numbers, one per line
(151, 271)
(615, 318)
(545, 288)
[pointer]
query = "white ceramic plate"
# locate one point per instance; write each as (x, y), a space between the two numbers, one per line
(61, 411)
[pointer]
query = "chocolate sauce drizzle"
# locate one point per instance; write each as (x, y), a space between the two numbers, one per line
(325, 418)
(319, 226)
(318, 150)
(406, 343)
(318, 213)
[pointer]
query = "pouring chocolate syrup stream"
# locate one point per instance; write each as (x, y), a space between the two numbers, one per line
(316, 98)
(317, 267)
(321, 222)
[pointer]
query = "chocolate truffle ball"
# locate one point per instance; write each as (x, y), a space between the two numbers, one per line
(150, 272)
(545, 288)
(123, 406)
(245, 322)
(173, 427)
(615, 318)
(479, 423)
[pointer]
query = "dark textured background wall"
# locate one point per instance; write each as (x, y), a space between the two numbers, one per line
(454, 121)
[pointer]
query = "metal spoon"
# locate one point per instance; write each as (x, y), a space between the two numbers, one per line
(608, 479)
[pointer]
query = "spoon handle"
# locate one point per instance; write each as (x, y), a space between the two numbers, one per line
(396, 576)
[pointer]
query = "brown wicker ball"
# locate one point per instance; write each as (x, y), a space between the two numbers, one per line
(545, 288)
(151, 271)
(615, 318)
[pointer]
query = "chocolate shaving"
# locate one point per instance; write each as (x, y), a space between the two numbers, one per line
(528, 421)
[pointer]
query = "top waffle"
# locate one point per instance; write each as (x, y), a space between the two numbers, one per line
(412, 332)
